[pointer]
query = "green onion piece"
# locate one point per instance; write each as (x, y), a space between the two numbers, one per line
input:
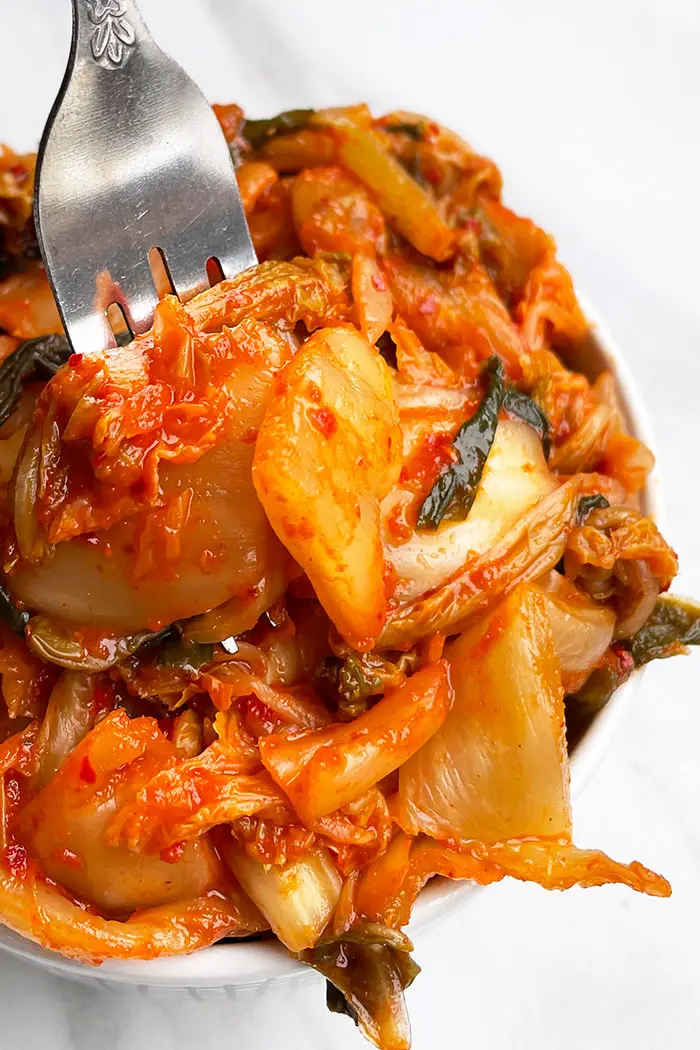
(257, 132)
(414, 131)
(674, 624)
(454, 492)
(34, 359)
(189, 656)
(523, 407)
(15, 619)
(589, 503)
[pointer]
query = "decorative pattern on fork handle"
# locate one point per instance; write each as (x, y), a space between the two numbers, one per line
(113, 36)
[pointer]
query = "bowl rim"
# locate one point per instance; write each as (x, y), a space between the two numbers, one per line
(255, 964)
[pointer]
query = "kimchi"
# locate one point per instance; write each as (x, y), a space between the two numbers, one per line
(308, 593)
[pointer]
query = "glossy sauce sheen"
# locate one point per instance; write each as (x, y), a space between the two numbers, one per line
(302, 590)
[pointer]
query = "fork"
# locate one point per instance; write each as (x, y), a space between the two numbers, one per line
(133, 173)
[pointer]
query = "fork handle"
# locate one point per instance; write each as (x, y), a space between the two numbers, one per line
(107, 32)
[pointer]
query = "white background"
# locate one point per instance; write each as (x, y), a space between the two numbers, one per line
(592, 110)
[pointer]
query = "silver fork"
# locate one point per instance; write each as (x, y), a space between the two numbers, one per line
(132, 160)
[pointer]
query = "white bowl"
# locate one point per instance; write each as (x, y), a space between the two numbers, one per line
(225, 969)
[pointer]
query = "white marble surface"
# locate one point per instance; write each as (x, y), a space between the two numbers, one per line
(592, 110)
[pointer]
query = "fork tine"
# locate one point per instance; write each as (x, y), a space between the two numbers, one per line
(88, 330)
(187, 269)
(133, 290)
(187, 263)
(132, 159)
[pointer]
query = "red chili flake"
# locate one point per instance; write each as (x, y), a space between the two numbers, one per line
(625, 662)
(378, 282)
(400, 532)
(303, 529)
(306, 530)
(493, 632)
(313, 391)
(429, 458)
(87, 773)
(324, 420)
(172, 854)
(16, 859)
(250, 436)
(391, 579)
(75, 359)
(70, 859)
